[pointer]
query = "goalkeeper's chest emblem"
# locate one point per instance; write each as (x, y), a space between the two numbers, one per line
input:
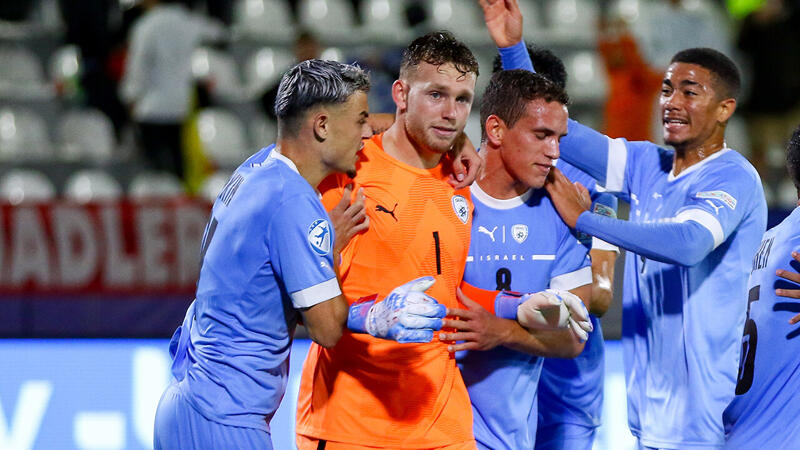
(461, 208)
(519, 232)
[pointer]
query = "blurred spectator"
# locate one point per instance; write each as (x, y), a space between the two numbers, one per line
(306, 46)
(91, 26)
(770, 38)
(158, 77)
(383, 66)
(633, 84)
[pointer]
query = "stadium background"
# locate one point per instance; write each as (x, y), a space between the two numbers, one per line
(98, 252)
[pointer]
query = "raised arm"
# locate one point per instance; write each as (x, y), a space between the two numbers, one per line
(686, 240)
(583, 147)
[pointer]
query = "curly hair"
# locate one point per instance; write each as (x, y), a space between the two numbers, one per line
(437, 48)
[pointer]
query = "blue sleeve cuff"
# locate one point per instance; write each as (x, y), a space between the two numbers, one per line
(506, 304)
(516, 57)
(605, 204)
(357, 316)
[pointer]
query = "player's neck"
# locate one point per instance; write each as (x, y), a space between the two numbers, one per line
(399, 145)
(686, 157)
(308, 163)
(495, 180)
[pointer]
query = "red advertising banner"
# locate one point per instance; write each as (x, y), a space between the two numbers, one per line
(118, 247)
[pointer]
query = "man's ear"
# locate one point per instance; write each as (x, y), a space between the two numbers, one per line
(725, 109)
(321, 125)
(400, 94)
(495, 130)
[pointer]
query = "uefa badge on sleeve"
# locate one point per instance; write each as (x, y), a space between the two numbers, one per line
(461, 207)
(319, 236)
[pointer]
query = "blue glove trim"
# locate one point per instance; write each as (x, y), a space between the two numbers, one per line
(506, 304)
(357, 314)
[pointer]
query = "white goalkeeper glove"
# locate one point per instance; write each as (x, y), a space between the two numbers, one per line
(549, 309)
(407, 314)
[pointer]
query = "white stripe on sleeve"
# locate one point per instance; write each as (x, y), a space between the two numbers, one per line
(705, 219)
(615, 168)
(318, 293)
(572, 280)
(599, 244)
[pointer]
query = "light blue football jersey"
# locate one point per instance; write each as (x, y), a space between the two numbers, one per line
(571, 390)
(523, 245)
(267, 251)
(681, 325)
(765, 412)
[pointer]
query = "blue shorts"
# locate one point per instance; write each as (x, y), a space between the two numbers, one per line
(564, 436)
(179, 426)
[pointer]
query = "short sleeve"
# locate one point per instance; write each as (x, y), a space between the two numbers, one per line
(604, 204)
(719, 199)
(301, 251)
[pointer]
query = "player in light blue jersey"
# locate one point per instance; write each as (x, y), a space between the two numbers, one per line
(570, 391)
(268, 258)
(697, 216)
(518, 242)
(765, 411)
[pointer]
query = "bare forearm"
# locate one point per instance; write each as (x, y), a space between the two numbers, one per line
(546, 343)
(601, 299)
(325, 321)
(602, 281)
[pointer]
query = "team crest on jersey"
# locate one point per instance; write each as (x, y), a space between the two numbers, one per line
(319, 236)
(461, 207)
(722, 196)
(519, 232)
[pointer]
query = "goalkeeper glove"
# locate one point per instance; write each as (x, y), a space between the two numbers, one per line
(549, 309)
(407, 314)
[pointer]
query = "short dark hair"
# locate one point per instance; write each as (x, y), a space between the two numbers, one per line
(510, 91)
(726, 74)
(793, 157)
(545, 63)
(315, 82)
(437, 48)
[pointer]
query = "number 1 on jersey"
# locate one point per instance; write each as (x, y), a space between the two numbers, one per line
(438, 253)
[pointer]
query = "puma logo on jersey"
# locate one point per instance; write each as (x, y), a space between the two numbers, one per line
(484, 230)
(716, 208)
(383, 209)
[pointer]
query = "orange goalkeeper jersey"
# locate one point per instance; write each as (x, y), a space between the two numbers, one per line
(376, 392)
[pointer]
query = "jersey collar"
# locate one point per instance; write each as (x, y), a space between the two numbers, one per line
(276, 154)
(497, 203)
(696, 166)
